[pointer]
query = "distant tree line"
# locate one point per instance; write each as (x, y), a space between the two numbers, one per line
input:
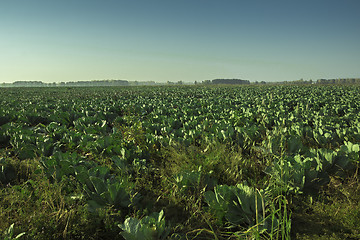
(226, 81)
(175, 83)
(230, 81)
(339, 81)
(322, 81)
(96, 83)
(70, 84)
(29, 83)
(296, 82)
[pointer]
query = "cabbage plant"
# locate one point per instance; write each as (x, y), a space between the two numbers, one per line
(151, 227)
(237, 205)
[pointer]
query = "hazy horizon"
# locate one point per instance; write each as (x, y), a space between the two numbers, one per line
(61, 41)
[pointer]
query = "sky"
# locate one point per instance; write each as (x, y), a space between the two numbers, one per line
(187, 40)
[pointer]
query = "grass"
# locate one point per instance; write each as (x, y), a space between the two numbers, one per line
(44, 210)
(335, 214)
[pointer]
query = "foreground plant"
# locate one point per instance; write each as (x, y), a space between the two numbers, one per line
(151, 227)
(238, 204)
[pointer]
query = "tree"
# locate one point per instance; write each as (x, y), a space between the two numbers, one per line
(206, 82)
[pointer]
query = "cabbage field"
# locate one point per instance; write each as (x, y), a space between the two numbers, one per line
(180, 162)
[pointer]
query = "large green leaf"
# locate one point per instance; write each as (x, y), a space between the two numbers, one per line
(151, 227)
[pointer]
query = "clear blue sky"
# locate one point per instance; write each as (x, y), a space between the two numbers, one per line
(169, 40)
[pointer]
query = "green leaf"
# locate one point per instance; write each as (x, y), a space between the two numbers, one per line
(321, 131)
(149, 228)
(98, 184)
(94, 205)
(131, 228)
(356, 148)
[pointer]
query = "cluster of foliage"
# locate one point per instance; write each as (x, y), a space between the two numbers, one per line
(230, 81)
(90, 83)
(179, 162)
(339, 81)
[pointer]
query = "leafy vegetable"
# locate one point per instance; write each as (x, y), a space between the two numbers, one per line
(238, 204)
(151, 227)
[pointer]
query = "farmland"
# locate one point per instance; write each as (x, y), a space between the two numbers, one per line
(180, 162)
